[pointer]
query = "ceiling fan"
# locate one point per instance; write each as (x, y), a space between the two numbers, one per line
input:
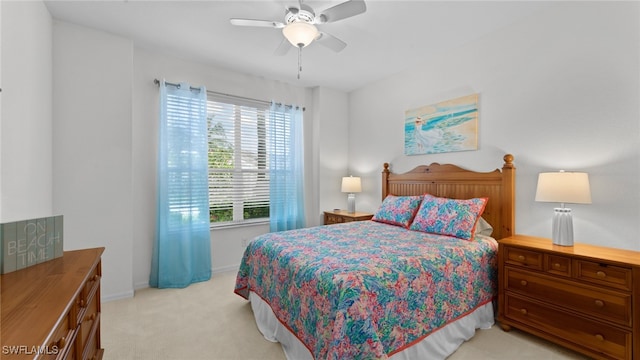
(299, 25)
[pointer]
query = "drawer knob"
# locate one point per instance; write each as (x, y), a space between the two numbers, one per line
(599, 303)
(96, 277)
(62, 342)
(556, 265)
(523, 282)
(92, 317)
(524, 311)
(521, 257)
(81, 303)
(599, 337)
(601, 274)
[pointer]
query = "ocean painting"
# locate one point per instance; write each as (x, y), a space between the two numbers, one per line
(447, 126)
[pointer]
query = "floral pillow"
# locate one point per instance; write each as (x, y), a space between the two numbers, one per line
(398, 210)
(450, 217)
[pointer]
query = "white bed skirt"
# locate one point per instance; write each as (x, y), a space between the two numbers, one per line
(438, 345)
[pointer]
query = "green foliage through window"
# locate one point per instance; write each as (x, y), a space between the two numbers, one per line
(238, 161)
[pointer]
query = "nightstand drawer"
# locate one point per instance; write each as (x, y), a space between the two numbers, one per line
(520, 257)
(333, 219)
(340, 216)
(592, 335)
(604, 304)
(604, 274)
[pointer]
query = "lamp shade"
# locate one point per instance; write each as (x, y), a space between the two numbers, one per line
(351, 184)
(300, 34)
(564, 187)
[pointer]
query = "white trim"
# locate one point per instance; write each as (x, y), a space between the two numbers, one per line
(122, 295)
(225, 269)
(145, 284)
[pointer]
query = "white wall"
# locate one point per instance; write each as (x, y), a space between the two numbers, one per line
(332, 107)
(26, 120)
(559, 91)
(92, 147)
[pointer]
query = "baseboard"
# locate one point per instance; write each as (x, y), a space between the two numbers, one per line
(141, 285)
(225, 269)
(220, 270)
(123, 295)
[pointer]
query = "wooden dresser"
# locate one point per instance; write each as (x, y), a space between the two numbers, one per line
(342, 216)
(52, 310)
(584, 297)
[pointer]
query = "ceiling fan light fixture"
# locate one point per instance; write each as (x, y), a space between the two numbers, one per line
(300, 34)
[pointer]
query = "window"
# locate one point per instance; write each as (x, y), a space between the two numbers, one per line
(238, 159)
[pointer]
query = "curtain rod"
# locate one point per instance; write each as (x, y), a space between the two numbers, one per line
(157, 82)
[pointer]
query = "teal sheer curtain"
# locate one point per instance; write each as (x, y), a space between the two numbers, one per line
(182, 249)
(286, 170)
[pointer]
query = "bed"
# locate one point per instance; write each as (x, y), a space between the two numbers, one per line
(407, 284)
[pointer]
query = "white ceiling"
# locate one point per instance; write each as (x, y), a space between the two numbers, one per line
(389, 37)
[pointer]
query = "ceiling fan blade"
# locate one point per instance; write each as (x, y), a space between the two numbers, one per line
(283, 48)
(258, 23)
(331, 42)
(342, 11)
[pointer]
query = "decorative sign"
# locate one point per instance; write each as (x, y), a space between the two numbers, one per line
(29, 242)
(447, 126)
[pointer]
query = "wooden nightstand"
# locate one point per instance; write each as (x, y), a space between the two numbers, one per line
(342, 216)
(584, 297)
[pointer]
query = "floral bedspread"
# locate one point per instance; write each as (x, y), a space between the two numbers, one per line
(365, 290)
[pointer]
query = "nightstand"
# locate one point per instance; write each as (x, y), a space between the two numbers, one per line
(342, 216)
(583, 297)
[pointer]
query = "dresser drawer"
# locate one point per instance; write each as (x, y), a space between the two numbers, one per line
(88, 292)
(91, 349)
(86, 326)
(592, 335)
(526, 258)
(68, 352)
(603, 274)
(61, 342)
(557, 265)
(601, 303)
(93, 282)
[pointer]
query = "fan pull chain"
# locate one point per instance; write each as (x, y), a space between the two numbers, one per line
(299, 61)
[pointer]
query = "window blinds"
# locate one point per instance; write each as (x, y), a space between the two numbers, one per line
(238, 160)
(184, 144)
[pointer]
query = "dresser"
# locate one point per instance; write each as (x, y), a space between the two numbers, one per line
(52, 310)
(583, 297)
(342, 216)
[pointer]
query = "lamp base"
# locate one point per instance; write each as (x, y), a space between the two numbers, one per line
(351, 203)
(562, 227)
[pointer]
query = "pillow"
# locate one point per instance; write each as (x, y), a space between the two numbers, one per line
(483, 227)
(398, 210)
(449, 216)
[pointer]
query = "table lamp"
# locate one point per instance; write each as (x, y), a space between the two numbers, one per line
(351, 185)
(563, 187)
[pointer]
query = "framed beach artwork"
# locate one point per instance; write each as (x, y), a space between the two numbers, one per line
(447, 126)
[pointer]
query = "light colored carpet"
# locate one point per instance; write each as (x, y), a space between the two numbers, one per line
(208, 321)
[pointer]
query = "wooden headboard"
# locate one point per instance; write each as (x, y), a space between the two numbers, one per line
(454, 182)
